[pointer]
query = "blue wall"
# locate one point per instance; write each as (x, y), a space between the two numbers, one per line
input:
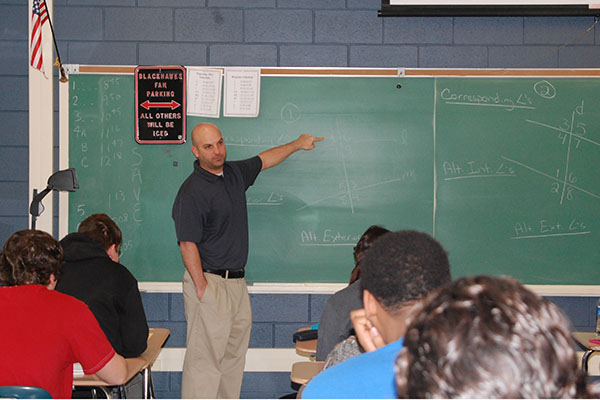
(328, 33)
(323, 33)
(275, 319)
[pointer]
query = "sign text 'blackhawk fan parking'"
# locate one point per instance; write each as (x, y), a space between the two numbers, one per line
(160, 104)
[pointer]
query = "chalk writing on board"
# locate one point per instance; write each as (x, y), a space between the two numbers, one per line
(126, 245)
(290, 113)
(566, 183)
(327, 237)
(121, 219)
(117, 196)
(268, 199)
(407, 175)
(545, 228)
(545, 89)
(571, 133)
(138, 158)
(474, 169)
(136, 179)
(487, 100)
(80, 134)
(247, 141)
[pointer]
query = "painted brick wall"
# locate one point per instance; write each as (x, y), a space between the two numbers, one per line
(275, 319)
(330, 33)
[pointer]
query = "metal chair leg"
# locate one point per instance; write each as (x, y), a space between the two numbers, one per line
(584, 361)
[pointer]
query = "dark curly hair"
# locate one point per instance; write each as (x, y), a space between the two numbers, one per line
(101, 229)
(488, 337)
(29, 257)
(403, 266)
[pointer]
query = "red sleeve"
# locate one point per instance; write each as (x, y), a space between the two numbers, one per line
(89, 343)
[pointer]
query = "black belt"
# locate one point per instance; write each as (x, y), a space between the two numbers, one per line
(227, 273)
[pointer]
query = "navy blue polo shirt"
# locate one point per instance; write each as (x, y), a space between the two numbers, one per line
(210, 210)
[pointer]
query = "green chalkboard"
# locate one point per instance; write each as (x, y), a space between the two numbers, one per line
(305, 215)
(504, 172)
(518, 182)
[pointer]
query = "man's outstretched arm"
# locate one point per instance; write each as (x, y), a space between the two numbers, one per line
(274, 156)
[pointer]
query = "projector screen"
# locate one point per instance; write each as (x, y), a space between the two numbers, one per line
(491, 2)
(496, 8)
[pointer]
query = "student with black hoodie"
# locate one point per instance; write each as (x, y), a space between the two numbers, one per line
(92, 273)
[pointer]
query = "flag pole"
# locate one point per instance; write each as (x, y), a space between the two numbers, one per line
(58, 63)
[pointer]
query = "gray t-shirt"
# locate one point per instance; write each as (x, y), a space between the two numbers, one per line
(210, 210)
(335, 324)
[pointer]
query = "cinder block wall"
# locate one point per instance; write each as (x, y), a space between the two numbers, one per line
(327, 33)
(275, 319)
(321, 33)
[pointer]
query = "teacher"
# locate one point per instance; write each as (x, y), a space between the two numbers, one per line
(211, 223)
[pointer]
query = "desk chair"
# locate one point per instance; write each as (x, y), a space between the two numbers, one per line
(143, 363)
(307, 348)
(24, 392)
(583, 339)
(304, 371)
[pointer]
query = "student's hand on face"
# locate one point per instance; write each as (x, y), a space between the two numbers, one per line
(368, 336)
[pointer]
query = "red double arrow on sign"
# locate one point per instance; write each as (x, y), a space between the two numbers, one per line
(147, 105)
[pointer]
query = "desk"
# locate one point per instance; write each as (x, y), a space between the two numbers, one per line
(307, 348)
(583, 338)
(304, 371)
(143, 362)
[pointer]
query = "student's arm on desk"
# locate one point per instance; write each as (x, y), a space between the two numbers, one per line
(114, 372)
(193, 264)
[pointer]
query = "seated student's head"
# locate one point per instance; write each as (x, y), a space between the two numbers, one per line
(30, 257)
(366, 240)
(399, 269)
(101, 229)
(487, 337)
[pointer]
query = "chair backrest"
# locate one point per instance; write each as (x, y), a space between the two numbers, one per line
(24, 392)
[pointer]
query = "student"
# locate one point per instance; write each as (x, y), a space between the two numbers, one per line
(487, 337)
(43, 331)
(399, 269)
(92, 274)
(335, 324)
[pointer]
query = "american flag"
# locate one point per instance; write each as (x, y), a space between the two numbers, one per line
(39, 15)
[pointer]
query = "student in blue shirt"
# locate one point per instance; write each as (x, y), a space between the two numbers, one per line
(398, 270)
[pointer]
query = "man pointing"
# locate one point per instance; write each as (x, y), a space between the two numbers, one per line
(211, 224)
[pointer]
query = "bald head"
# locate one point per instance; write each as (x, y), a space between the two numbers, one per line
(202, 130)
(208, 147)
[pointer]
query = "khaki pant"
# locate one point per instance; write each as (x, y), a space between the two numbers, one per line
(218, 333)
